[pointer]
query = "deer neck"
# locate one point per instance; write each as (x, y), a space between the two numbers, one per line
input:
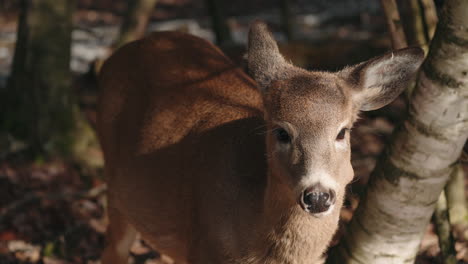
(290, 235)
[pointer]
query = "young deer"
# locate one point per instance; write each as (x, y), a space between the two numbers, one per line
(213, 167)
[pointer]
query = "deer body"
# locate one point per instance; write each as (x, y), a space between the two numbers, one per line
(213, 167)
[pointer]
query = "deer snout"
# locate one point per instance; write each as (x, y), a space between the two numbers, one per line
(317, 199)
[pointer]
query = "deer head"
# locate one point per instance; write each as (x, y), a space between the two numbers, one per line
(309, 115)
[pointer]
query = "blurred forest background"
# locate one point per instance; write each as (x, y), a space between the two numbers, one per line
(52, 206)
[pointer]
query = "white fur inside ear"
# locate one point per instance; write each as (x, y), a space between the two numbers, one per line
(374, 79)
(384, 79)
(378, 75)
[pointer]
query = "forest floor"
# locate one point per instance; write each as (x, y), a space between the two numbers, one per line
(53, 213)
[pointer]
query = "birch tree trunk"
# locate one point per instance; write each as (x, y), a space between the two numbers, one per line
(406, 184)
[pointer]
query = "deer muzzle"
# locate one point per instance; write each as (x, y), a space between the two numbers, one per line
(317, 199)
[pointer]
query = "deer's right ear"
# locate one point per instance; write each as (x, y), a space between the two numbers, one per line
(378, 81)
(264, 61)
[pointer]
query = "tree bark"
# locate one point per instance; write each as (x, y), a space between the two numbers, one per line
(407, 182)
(394, 24)
(218, 22)
(39, 106)
(444, 233)
(430, 18)
(455, 192)
(287, 19)
(413, 23)
(135, 21)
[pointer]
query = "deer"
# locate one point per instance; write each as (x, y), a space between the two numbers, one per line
(213, 164)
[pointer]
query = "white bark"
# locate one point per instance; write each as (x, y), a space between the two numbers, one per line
(442, 224)
(405, 186)
(457, 203)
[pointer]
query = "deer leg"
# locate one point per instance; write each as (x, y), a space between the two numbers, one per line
(119, 238)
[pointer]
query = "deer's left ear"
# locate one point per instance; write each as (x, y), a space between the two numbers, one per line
(378, 81)
(264, 61)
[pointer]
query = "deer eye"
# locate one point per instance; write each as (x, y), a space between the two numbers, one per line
(342, 134)
(282, 135)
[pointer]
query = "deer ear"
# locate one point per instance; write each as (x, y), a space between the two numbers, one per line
(264, 61)
(378, 81)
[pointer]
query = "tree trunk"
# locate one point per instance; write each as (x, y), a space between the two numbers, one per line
(395, 27)
(455, 192)
(39, 106)
(407, 182)
(218, 22)
(444, 233)
(413, 23)
(430, 18)
(135, 21)
(287, 19)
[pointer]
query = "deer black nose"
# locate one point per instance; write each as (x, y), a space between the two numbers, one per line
(317, 199)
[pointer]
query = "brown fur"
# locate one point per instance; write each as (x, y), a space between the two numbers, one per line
(192, 162)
